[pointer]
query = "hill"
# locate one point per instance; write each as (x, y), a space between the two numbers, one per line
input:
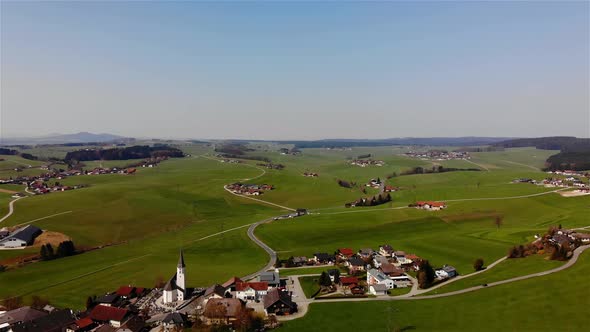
(81, 137)
(574, 154)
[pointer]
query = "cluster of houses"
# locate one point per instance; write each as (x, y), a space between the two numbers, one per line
(374, 183)
(248, 189)
(19, 238)
(572, 238)
(271, 166)
(171, 308)
(439, 155)
(39, 187)
(311, 174)
(570, 181)
(429, 205)
(294, 151)
(230, 161)
(367, 162)
(295, 214)
(570, 173)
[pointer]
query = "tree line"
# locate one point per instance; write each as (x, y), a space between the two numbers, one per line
(132, 152)
(64, 249)
(436, 169)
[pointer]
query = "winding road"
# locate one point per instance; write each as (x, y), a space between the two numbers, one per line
(10, 208)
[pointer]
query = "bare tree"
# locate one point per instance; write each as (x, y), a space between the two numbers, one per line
(498, 221)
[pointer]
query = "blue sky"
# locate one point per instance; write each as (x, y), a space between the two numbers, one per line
(296, 70)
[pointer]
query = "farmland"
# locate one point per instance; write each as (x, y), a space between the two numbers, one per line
(134, 225)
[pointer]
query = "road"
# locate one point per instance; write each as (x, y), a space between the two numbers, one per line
(271, 253)
(10, 208)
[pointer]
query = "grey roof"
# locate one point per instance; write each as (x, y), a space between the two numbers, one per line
(269, 276)
(26, 234)
(181, 259)
(108, 298)
(23, 314)
(367, 251)
(449, 268)
(355, 261)
(171, 284)
(215, 289)
(379, 287)
(173, 318)
(53, 322)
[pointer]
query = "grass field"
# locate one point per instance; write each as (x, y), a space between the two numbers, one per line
(529, 305)
(144, 219)
(310, 285)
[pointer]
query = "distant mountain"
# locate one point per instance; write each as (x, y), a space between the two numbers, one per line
(429, 141)
(81, 137)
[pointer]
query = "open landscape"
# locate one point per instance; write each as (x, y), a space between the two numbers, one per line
(248, 166)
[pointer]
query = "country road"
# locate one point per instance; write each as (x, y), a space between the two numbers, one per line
(10, 208)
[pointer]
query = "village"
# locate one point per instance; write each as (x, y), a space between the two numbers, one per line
(248, 189)
(439, 155)
(257, 303)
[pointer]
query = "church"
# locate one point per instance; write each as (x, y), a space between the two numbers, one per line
(175, 289)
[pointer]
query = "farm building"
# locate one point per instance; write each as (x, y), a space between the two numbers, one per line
(22, 237)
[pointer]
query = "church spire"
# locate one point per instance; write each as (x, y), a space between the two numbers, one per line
(181, 260)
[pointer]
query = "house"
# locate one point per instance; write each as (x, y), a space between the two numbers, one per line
(345, 253)
(214, 292)
(334, 275)
(323, 258)
(175, 288)
(110, 300)
(366, 253)
(105, 314)
(22, 237)
(377, 277)
(230, 285)
(583, 237)
(386, 250)
(174, 321)
(400, 257)
(389, 189)
(299, 260)
(430, 205)
(271, 278)
(279, 303)
(446, 272)
(391, 270)
(222, 311)
(56, 321)
(401, 281)
(20, 315)
(378, 289)
(348, 281)
(355, 264)
(251, 291)
(379, 260)
(82, 325)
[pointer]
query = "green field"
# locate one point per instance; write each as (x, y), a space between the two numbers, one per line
(142, 221)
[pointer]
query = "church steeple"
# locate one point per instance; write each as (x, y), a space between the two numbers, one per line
(181, 260)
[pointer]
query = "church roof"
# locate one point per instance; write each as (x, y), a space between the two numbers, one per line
(171, 284)
(181, 260)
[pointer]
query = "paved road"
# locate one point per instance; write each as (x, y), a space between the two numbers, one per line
(271, 253)
(10, 209)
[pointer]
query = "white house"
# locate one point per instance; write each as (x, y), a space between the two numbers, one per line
(251, 291)
(380, 260)
(378, 289)
(375, 277)
(175, 289)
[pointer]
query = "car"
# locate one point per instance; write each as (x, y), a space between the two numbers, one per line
(484, 285)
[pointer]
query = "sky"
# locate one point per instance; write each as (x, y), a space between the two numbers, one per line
(295, 70)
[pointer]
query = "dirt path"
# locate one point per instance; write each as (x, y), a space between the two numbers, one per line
(8, 191)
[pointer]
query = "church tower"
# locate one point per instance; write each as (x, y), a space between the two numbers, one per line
(180, 279)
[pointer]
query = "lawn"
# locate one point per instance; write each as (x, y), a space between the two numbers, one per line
(529, 305)
(310, 285)
(507, 269)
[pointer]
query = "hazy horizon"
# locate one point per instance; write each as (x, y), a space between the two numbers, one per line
(287, 71)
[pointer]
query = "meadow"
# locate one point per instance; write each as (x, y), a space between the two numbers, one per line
(134, 225)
